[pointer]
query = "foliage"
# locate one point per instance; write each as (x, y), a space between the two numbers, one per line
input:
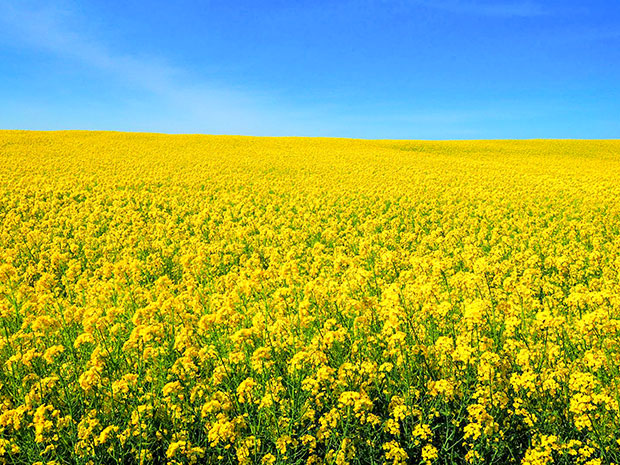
(211, 299)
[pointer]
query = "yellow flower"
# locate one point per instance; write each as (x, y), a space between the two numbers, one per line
(84, 338)
(245, 390)
(301, 294)
(429, 453)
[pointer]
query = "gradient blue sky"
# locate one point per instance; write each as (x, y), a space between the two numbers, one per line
(406, 69)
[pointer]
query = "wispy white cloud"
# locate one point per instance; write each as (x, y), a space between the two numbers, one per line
(190, 103)
(180, 101)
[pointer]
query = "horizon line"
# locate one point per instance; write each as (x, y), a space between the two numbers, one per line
(116, 131)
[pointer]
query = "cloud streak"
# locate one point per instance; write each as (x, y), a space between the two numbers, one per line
(191, 104)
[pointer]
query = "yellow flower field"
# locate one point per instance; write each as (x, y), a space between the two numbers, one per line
(220, 300)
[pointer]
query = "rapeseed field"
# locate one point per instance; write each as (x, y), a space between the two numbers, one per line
(221, 300)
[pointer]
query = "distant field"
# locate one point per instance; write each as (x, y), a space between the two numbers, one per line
(220, 299)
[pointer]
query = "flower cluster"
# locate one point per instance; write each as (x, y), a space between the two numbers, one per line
(211, 299)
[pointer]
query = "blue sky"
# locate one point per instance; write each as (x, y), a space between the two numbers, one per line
(402, 69)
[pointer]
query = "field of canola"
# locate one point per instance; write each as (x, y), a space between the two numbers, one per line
(223, 300)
